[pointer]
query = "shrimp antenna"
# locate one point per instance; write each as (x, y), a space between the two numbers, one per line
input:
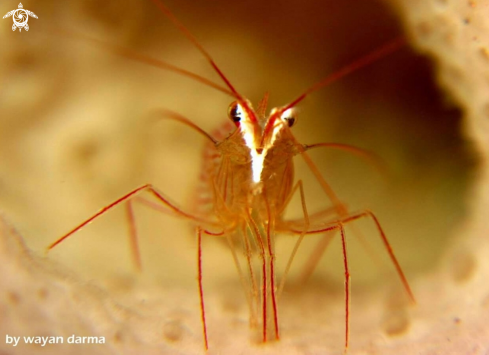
(164, 113)
(196, 43)
(368, 59)
(185, 31)
(133, 55)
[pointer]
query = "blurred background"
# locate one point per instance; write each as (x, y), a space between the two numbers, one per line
(75, 131)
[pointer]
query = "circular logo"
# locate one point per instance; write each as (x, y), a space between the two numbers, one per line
(20, 17)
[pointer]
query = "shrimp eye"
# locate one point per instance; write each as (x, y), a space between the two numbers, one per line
(235, 112)
(289, 116)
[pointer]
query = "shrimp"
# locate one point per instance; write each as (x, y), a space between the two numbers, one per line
(247, 184)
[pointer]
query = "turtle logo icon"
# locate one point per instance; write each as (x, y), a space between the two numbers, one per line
(20, 17)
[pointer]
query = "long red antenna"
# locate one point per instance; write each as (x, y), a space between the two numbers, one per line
(158, 63)
(370, 58)
(206, 54)
(194, 41)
